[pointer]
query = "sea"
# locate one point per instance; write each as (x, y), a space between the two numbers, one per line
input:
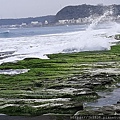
(20, 43)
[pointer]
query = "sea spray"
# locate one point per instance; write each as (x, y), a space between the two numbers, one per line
(99, 19)
(89, 39)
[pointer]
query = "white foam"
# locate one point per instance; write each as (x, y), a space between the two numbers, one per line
(40, 45)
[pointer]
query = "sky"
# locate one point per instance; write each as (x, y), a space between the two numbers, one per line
(37, 8)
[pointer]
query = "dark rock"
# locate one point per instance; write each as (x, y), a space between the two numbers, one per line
(117, 107)
(72, 105)
(96, 83)
(83, 91)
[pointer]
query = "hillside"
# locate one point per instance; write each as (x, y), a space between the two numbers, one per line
(68, 12)
(82, 11)
(19, 21)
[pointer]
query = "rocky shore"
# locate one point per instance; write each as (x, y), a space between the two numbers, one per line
(61, 85)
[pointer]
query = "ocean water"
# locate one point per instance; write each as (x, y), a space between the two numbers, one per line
(20, 43)
(27, 32)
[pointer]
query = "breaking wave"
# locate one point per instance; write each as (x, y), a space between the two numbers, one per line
(88, 39)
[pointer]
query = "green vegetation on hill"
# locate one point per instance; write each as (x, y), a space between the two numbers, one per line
(82, 11)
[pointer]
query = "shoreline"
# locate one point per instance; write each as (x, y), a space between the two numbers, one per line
(64, 76)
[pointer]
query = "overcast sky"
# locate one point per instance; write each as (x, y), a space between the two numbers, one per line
(36, 8)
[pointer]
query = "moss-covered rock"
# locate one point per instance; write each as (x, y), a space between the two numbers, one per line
(60, 84)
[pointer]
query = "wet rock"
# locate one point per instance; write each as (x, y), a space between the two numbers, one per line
(117, 107)
(99, 75)
(96, 83)
(73, 105)
(88, 85)
(83, 91)
(108, 110)
(118, 102)
(59, 86)
(117, 36)
(73, 78)
(6, 54)
(89, 112)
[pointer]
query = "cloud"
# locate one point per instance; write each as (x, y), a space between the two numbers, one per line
(32, 8)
